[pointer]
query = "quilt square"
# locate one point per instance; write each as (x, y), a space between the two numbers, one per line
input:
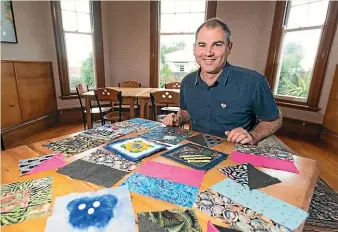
(206, 140)
(169, 221)
(271, 151)
(279, 211)
(171, 135)
(25, 200)
(165, 190)
(196, 156)
(134, 149)
(233, 214)
(106, 132)
(136, 124)
(28, 164)
(93, 173)
(101, 211)
(247, 175)
(216, 228)
(74, 145)
(111, 160)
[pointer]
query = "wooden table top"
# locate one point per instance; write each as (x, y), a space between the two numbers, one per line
(296, 189)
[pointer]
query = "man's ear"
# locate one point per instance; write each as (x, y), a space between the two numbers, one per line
(230, 46)
(194, 48)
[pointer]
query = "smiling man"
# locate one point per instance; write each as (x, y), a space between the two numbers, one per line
(223, 99)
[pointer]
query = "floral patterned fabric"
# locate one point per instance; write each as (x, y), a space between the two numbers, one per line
(106, 132)
(111, 160)
(165, 190)
(233, 214)
(25, 200)
(134, 149)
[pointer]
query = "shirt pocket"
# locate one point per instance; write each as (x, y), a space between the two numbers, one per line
(230, 111)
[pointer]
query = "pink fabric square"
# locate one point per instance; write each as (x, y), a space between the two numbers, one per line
(211, 228)
(186, 176)
(52, 163)
(263, 161)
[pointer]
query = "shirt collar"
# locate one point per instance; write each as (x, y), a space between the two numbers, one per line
(223, 77)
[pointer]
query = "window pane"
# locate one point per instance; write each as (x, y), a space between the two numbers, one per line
(80, 59)
(167, 6)
(297, 59)
(69, 21)
(307, 14)
(196, 19)
(176, 57)
(182, 22)
(82, 6)
(83, 22)
(68, 5)
(182, 6)
(168, 23)
(198, 6)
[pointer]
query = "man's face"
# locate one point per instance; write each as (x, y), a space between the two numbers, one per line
(211, 49)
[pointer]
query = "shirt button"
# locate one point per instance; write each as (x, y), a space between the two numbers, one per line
(208, 105)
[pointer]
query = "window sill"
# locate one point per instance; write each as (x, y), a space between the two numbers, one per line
(297, 106)
(69, 97)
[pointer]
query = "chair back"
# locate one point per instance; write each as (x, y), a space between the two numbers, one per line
(173, 85)
(130, 84)
(166, 97)
(111, 95)
(80, 89)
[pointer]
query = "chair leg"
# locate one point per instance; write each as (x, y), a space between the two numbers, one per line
(84, 121)
(2, 144)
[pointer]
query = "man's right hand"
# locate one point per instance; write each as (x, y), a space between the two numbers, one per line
(171, 120)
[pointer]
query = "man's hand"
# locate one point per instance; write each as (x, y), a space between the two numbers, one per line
(171, 120)
(240, 135)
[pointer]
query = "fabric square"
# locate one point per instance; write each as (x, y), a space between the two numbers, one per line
(54, 162)
(74, 145)
(234, 215)
(186, 176)
(106, 132)
(279, 211)
(165, 190)
(206, 140)
(93, 173)
(25, 200)
(272, 151)
(263, 161)
(136, 124)
(247, 175)
(169, 221)
(28, 164)
(215, 228)
(171, 135)
(111, 160)
(195, 156)
(134, 149)
(101, 211)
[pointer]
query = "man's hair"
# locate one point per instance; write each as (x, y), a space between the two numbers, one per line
(213, 23)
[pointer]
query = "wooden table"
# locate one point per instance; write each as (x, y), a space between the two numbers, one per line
(129, 97)
(296, 189)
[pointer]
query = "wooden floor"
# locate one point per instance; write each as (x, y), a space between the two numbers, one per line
(328, 159)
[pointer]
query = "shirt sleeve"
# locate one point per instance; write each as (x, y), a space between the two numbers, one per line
(264, 105)
(183, 105)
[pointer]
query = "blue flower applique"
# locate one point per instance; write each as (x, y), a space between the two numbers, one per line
(88, 212)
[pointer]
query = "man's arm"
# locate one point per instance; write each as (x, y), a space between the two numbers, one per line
(183, 116)
(178, 119)
(261, 131)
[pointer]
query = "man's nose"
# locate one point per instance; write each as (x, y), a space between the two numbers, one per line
(209, 51)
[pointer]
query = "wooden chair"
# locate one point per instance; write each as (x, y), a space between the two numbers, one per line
(80, 89)
(115, 97)
(173, 85)
(130, 84)
(165, 97)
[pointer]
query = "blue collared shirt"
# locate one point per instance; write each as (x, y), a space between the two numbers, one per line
(239, 98)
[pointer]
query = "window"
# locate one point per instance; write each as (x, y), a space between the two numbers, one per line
(299, 47)
(173, 25)
(78, 35)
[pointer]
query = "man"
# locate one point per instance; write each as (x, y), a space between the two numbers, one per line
(221, 98)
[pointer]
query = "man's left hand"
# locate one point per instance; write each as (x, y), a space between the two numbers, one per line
(239, 135)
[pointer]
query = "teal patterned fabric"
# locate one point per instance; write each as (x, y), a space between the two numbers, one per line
(165, 190)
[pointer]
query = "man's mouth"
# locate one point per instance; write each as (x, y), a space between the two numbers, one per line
(209, 61)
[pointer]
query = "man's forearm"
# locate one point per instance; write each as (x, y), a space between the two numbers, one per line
(184, 116)
(265, 129)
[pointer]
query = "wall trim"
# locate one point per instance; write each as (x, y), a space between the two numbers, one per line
(330, 138)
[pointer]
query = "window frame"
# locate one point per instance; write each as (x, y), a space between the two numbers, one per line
(60, 45)
(323, 52)
(155, 33)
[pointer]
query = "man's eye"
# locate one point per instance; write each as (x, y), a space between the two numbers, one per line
(201, 45)
(218, 45)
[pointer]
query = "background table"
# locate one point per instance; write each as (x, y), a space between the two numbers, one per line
(294, 189)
